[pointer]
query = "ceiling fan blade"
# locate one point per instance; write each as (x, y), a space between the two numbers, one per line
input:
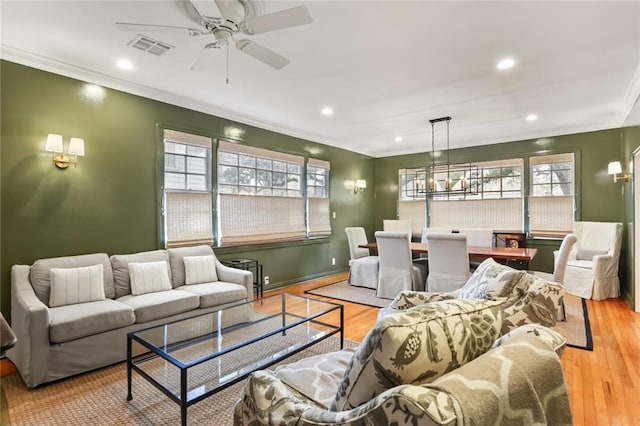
(231, 10)
(128, 26)
(207, 47)
(262, 54)
(276, 21)
(189, 10)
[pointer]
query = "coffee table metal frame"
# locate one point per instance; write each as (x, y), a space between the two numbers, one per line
(136, 362)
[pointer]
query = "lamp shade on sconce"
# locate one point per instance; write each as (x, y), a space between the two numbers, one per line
(76, 147)
(361, 184)
(54, 143)
(614, 168)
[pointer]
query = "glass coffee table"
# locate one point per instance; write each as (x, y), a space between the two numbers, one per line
(191, 359)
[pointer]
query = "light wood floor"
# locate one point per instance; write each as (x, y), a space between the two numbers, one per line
(603, 385)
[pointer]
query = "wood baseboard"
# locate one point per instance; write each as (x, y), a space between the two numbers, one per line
(6, 367)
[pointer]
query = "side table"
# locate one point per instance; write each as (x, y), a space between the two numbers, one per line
(249, 265)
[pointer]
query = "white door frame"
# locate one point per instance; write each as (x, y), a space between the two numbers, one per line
(636, 227)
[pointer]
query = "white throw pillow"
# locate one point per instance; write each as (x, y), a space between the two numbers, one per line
(76, 285)
(200, 269)
(149, 277)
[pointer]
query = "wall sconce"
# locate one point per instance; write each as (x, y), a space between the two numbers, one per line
(74, 150)
(615, 169)
(361, 185)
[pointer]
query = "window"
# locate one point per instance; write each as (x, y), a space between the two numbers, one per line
(551, 204)
(260, 195)
(187, 189)
(263, 196)
(495, 201)
(318, 198)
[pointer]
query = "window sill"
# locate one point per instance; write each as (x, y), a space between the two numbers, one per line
(272, 245)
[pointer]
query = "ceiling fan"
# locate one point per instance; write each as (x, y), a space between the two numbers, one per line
(238, 17)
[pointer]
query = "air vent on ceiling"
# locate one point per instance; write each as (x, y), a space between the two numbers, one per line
(150, 45)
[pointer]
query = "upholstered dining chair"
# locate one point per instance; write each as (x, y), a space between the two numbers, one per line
(363, 268)
(481, 237)
(422, 261)
(592, 268)
(397, 271)
(561, 257)
(448, 262)
(397, 226)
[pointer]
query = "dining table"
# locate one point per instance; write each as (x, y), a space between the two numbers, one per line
(502, 253)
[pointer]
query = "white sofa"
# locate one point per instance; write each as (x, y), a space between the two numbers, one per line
(59, 337)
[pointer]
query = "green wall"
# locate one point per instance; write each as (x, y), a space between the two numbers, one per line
(598, 198)
(630, 143)
(109, 202)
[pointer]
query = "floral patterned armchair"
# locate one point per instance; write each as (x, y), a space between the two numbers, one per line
(438, 364)
(527, 299)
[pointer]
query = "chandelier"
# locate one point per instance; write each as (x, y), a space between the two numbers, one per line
(440, 179)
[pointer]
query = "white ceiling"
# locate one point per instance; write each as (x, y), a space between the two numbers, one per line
(386, 67)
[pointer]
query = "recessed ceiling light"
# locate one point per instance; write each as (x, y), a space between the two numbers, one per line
(506, 63)
(124, 64)
(398, 139)
(531, 117)
(327, 111)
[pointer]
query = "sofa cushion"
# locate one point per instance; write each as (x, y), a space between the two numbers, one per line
(316, 377)
(120, 265)
(176, 261)
(150, 306)
(147, 277)
(539, 305)
(556, 340)
(72, 322)
(76, 285)
(417, 346)
(40, 273)
(218, 293)
(200, 269)
(492, 280)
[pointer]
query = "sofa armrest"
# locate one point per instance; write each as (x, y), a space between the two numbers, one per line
(266, 400)
(30, 319)
(236, 276)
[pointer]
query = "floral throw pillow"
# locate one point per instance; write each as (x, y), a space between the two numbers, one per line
(417, 346)
(492, 280)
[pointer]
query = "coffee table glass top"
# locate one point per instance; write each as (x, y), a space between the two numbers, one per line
(218, 349)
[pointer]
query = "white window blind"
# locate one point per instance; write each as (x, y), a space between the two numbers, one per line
(551, 204)
(260, 198)
(551, 216)
(318, 210)
(500, 213)
(254, 219)
(415, 211)
(187, 189)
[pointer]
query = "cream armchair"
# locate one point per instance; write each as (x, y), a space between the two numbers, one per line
(592, 268)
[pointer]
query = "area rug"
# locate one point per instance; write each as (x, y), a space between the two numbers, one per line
(99, 397)
(342, 290)
(576, 328)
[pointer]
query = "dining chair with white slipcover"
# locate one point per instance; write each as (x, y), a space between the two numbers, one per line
(390, 225)
(397, 271)
(363, 268)
(448, 262)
